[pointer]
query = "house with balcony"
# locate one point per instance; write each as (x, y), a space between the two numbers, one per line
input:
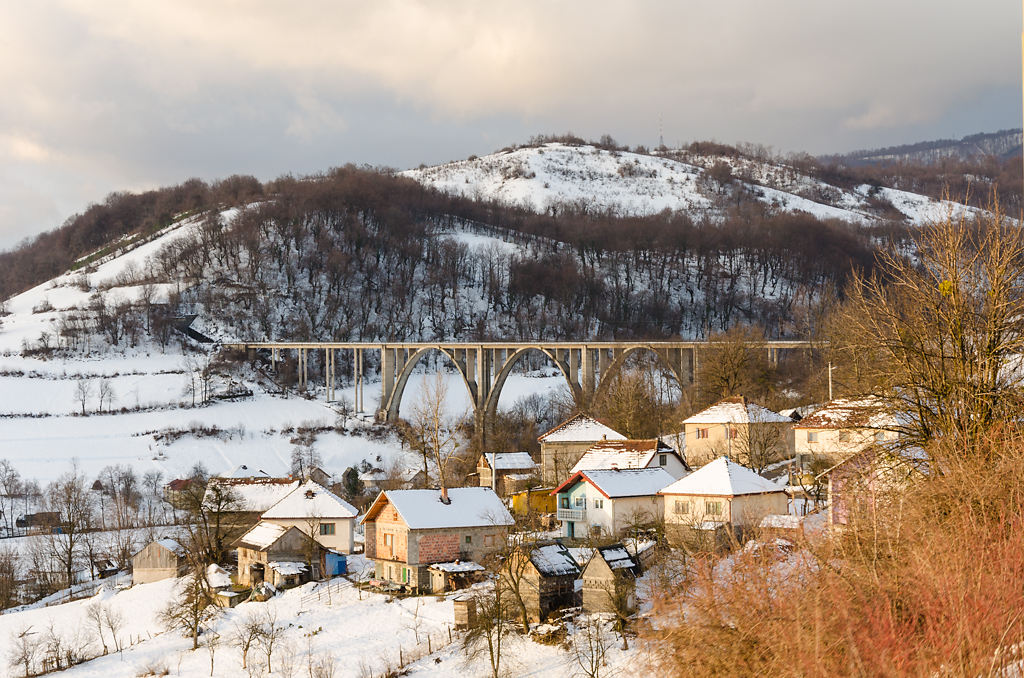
(719, 497)
(610, 502)
(842, 428)
(562, 446)
(627, 454)
(739, 429)
(506, 472)
(408, 531)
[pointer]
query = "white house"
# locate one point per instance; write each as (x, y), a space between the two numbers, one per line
(609, 501)
(624, 454)
(721, 494)
(739, 429)
(844, 427)
(314, 509)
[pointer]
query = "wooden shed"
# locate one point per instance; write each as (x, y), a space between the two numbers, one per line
(609, 581)
(161, 559)
(282, 556)
(548, 580)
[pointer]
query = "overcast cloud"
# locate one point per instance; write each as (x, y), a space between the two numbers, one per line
(103, 95)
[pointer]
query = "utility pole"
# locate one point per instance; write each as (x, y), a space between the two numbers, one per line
(830, 380)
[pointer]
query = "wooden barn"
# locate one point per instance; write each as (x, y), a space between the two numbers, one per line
(609, 581)
(161, 559)
(548, 580)
(282, 556)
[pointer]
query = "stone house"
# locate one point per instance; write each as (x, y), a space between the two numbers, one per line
(317, 511)
(277, 554)
(722, 495)
(605, 502)
(547, 579)
(609, 581)
(626, 454)
(407, 531)
(562, 446)
(506, 472)
(842, 428)
(160, 559)
(738, 429)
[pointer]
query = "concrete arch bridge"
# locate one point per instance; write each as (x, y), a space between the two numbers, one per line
(587, 367)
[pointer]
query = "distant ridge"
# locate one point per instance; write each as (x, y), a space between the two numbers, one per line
(1002, 144)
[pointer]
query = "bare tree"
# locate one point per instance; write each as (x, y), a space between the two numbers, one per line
(245, 634)
(758, 442)
(211, 641)
(589, 646)
(83, 390)
(106, 393)
(192, 609)
(71, 500)
(24, 649)
(271, 632)
(95, 613)
(438, 434)
(487, 636)
(9, 573)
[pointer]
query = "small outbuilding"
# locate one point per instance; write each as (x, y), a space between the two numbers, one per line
(609, 581)
(276, 554)
(506, 472)
(161, 559)
(548, 580)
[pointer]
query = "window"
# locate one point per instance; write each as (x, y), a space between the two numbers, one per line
(713, 508)
(469, 539)
(326, 529)
(598, 503)
(844, 436)
(581, 502)
(389, 539)
(733, 433)
(488, 540)
(682, 507)
(812, 436)
(662, 460)
(564, 502)
(702, 433)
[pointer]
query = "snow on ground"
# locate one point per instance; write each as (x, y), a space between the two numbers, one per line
(360, 633)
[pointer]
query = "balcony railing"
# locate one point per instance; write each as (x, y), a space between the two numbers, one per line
(571, 514)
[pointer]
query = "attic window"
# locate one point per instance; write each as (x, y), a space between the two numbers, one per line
(662, 459)
(310, 494)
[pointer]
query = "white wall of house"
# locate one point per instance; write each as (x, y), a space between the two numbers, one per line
(627, 511)
(342, 540)
(738, 511)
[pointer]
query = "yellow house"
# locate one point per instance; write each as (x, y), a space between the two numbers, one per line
(536, 500)
(842, 428)
(739, 430)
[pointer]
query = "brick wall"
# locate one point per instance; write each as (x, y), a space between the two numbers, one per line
(438, 548)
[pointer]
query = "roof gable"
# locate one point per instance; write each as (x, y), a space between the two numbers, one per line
(423, 509)
(264, 535)
(613, 483)
(737, 410)
(311, 500)
(723, 477)
(580, 428)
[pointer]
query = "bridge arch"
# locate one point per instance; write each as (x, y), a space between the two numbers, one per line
(671, 364)
(494, 394)
(393, 405)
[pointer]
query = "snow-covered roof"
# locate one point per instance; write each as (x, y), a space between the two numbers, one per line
(784, 522)
(263, 534)
(617, 557)
(510, 461)
(311, 500)
(554, 560)
(638, 546)
(722, 477)
(423, 509)
(580, 428)
(622, 454)
(613, 483)
(243, 471)
(255, 494)
(851, 413)
(287, 568)
(172, 545)
(737, 411)
(457, 567)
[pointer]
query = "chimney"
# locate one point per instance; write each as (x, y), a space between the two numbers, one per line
(444, 495)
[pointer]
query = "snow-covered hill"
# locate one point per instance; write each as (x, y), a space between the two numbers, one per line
(548, 177)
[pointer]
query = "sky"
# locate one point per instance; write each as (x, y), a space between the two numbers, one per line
(99, 96)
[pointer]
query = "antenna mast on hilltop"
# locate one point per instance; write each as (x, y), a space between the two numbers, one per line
(661, 135)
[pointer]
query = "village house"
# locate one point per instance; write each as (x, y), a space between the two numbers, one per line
(317, 511)
(842, 428)
(609, 581)
(862, 482)
(720, 496)
(407, 531)
(160, 559)
(605, 502)
(279, 555)
(243, 500)
(536, 501)
(548, 579)
(506, 472)
(652, 453)
(739, 429)
(562, 446)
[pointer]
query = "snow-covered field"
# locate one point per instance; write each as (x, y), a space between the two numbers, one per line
(360, 634)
